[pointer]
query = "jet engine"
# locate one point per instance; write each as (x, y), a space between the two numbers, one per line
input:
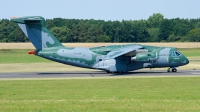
(146, 57)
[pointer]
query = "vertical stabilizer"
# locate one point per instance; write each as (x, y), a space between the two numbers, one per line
(34, 28)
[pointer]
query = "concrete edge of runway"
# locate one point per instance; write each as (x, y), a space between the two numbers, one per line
(95, 75)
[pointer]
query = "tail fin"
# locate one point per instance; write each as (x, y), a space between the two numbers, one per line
(36, 31)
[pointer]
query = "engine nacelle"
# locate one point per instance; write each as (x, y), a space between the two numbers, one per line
(145, 57)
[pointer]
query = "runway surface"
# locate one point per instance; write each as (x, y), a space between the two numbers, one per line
(146, 73)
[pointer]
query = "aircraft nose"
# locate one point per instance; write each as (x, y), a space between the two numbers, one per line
(186, 61)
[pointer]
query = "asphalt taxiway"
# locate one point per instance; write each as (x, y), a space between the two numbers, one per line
(145, 73)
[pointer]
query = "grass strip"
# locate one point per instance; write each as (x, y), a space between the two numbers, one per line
(112, 94)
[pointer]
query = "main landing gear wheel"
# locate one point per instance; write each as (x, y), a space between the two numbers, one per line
(173, 69)
(108, 71)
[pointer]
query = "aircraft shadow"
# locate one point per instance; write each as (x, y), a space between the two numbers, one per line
(102, 73)
(66, 73)
(137, 73)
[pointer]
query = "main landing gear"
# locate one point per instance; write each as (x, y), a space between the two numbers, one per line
(172, 69)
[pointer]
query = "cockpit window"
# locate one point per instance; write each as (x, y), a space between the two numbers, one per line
(173, 54)
(176, 53)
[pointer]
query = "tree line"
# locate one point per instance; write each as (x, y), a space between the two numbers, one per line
(155, 29)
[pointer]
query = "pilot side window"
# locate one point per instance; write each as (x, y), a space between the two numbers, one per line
(176, 53)
(173, 54)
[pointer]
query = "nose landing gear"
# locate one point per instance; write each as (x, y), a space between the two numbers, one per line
(172, 69)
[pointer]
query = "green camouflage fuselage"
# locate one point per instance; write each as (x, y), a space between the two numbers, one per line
(154, 57)
(114, 58)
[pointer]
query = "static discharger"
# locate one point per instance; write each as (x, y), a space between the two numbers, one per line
(32, 52)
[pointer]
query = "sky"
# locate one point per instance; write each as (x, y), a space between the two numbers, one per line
(100, 9)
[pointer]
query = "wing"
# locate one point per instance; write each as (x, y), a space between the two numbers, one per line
(127, 51)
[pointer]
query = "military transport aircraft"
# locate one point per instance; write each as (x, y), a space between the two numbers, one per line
(112, 59)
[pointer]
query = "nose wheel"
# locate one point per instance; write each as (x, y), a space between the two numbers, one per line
(172, 69)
